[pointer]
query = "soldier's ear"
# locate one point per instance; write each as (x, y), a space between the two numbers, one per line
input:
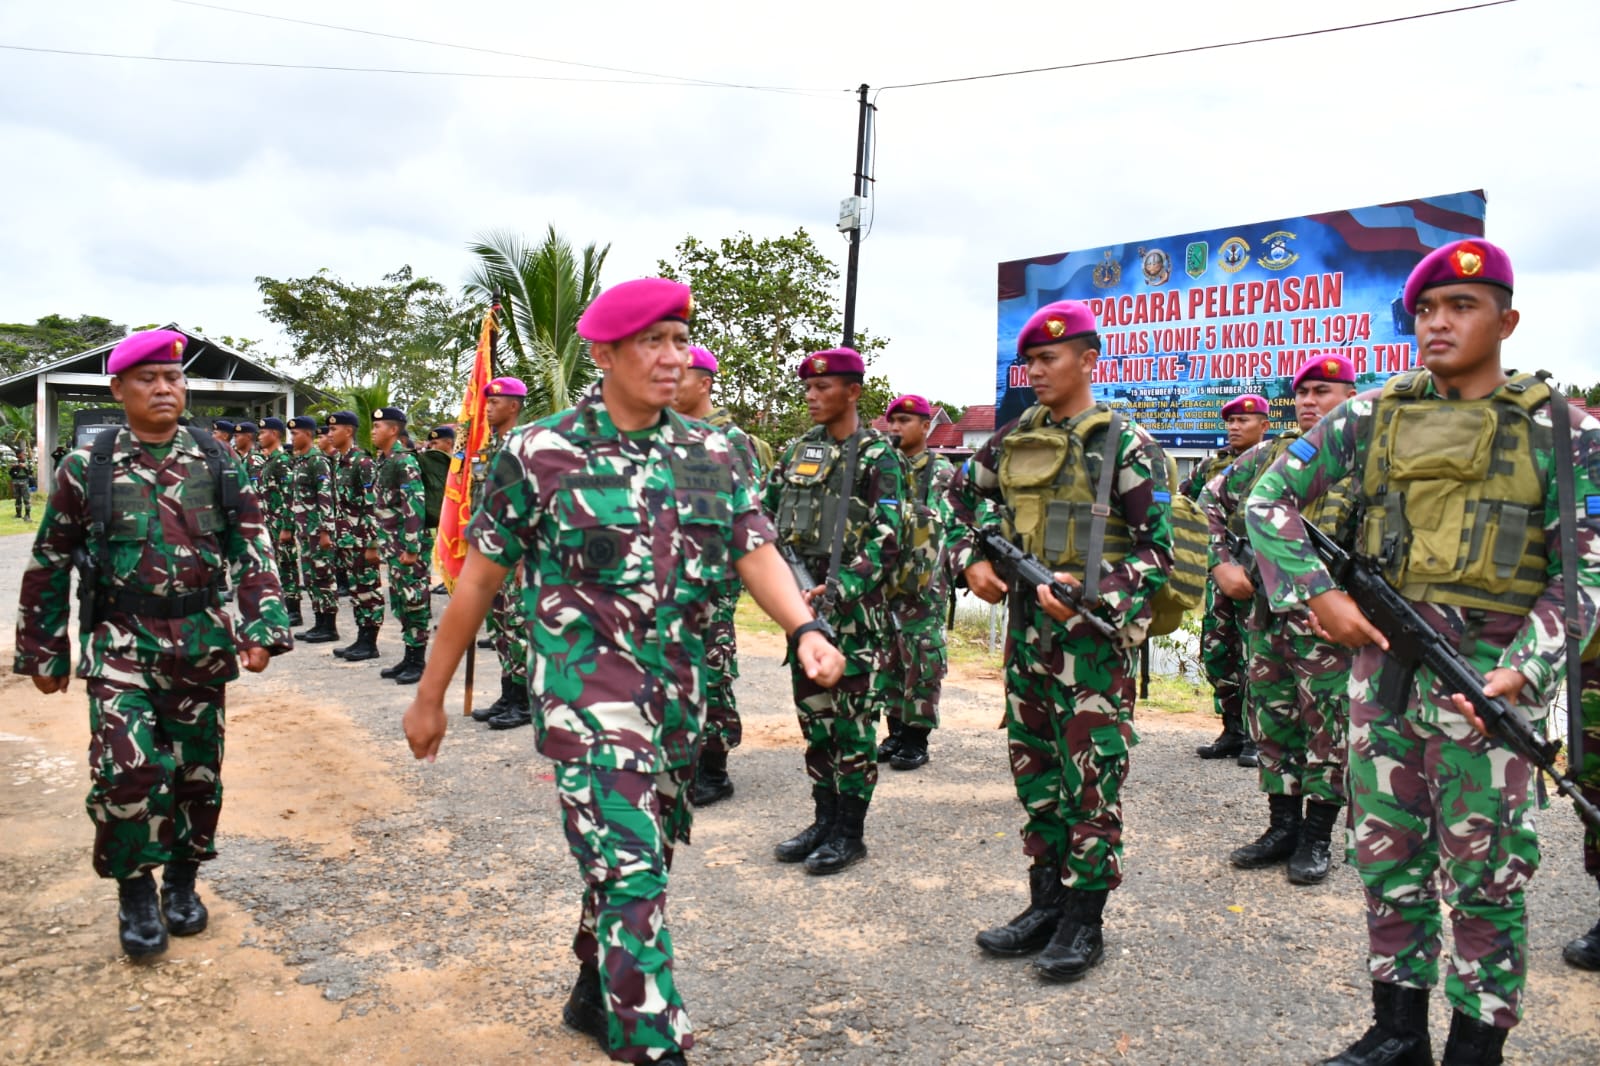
(1508, 321)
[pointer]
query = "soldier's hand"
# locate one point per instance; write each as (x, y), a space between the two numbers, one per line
(1233, 580)
(370, 554)
(1502, 682)
(424, 724)
(255, 660)
(1053, 606)
(812, 594)
(985, 583)
(323, 540)
(49, 685)
(409, 558)
(822, 662)
(1337, 618)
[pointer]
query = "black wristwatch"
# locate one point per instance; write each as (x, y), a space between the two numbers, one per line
(816, 625)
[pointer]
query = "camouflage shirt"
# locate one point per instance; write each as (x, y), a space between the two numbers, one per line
(743, 444)
(272, 485)
(1292, 574)
(167, 537)
(625, 538)
(310, 494)
(1205, 470)
(355, 498)
(402, 507)
(929, 481)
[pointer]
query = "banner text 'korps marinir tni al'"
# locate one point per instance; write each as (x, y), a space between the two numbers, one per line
(1188, 322)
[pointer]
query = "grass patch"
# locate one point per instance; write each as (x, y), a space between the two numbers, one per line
(10, 524)
(1177, 695)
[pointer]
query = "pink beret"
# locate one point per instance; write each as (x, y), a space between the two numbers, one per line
(505, 387)
(623, 310)
(1328, 367)
(151, 346)
(1063, 320)
(831, 361)
(1249, 404)
(702, 359)
(1471, 260)
(910, 404)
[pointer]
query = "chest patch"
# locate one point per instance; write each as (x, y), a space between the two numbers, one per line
(810, 461)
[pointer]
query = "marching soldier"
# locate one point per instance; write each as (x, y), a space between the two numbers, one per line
(1222, 626)
(1452, 476)
(355, 539)
(1298, 706)
(1069, 690)
(508, 625)
(21, 475)
(920, 652)
(628, 518)
(151, 521)
(407, 543)
(272, 484)
(312, 519)
(723, 728)
(836, 496)
(1584, 951)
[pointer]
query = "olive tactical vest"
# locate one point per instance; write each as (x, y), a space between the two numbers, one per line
(1329, 512)
(813, 488)
(1451, 503)
(1048, 475)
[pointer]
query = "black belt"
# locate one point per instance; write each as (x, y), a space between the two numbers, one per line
(150, 606)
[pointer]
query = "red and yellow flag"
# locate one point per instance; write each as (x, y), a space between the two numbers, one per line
(472, 431)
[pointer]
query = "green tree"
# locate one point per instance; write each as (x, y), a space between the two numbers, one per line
(23, 347)
(16, 427)
(762, 305)
(543, 289)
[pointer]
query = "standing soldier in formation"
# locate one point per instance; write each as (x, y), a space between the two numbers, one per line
(920, 652)
(723, 728)
(244, 445)
(1298, 707)
(222, 431)
(355, 540)
(407, 543)
(21, 475)
(1222, 626)
(1069, 690)
(508, 624)
(156, 649)
(1584, 951)
(312, 526)
(629, 518)
(277, 467)
(836, 496)
(442, 438)
(1452, 475)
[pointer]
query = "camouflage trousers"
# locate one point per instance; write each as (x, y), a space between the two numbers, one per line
(921, 659)
(1440, 814)
(1299, 711)
(1222, 649)
(508, 627)
(723, 730)
(620, 826)
(317, 570)
(286, 553)
(409, 594)
(366, 594)
(1588, 776)
(840, 727)
(1069, 728)
(155, 769)
(21, 497)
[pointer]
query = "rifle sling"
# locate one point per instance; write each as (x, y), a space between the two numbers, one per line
(846, 492)
(1101, 511)
(1561, 418)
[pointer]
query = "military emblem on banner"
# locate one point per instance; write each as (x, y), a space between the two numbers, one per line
(1107, 273)
(1157, 266)
(1234, 255)
(1196, 258)
(1278, 255)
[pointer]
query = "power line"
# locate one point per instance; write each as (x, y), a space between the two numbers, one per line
(1199, 47)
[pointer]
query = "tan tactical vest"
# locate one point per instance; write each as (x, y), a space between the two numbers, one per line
(1451, 503)
(808, 508)
(1048, 475)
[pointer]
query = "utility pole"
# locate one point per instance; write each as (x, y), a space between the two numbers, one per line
(850, 217)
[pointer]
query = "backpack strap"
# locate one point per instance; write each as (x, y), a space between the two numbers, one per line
(1101, 510)
(1561, 416)
(100, 453)
(227, 486)
(846, 491)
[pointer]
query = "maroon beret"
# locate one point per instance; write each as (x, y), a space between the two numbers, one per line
(831, 361)
(623, 310)
(1459, 262)
(1327, 367)
(1249, 404)
(505, 387)
(1063, 320)
(910, 404)
(151, 346)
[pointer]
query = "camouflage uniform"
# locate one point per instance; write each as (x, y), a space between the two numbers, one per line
(1223, 623)
(723, 728)
(921, 655)
(272, 486)
(508, 620)
(840, 724)
(156, 684)
(21, 475)
(355, 500)
(1069, 692)
(626, 541)
(400, 516)
(1436, 809)
(311, 513)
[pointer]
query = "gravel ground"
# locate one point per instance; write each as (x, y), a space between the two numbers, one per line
(431, 906)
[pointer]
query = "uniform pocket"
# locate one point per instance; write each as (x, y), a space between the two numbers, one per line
(602, 539)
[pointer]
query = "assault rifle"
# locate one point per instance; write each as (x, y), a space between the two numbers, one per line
(1244, 553)
(1018, 568)
(1413, 642)
(88, 568)
(797, 567)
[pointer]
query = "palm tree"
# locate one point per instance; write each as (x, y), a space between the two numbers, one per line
(363, 400)
(16, 427)
(543, 289)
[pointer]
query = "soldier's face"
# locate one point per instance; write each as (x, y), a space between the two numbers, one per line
(910, 431)
(1460, 327)
(1057, 372)
(152, 394)
(441, 444)
(1313, 399)
(694, 389)
(829, 396)
(270, 439)
(325, 443)
(643, 371)
(243, 443)
(223, 436)
(301, 439)
(501, 411)
(341, 436)
(1245, 431)
(384, 434)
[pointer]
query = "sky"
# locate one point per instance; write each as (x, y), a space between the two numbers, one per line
(157, 191)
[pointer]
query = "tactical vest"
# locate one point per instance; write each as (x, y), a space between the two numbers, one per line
(1451, 503)
(813, 490)
(1048, 475)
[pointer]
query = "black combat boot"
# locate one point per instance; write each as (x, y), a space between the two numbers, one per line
(711, 781)
(1079, 943)
(498, 707)
(412, 665)
(891, 743)
(913, 749)
(324, 629)
(1031, 930)
(388, 672)
(844, 846)
(803, 843)
(1473, 1043)
(186, 915)
(295, 618)
(1399, 1033)
(139, 917)
(1228, 744)
(586, 1005)
(1313, 855)
(517, 712)
(1584, 952)
(365, 647)
(1278, 842)
(1249, 754)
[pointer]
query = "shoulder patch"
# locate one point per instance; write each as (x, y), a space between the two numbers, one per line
(1591, 505)
(1303, 450)
(1161, 496)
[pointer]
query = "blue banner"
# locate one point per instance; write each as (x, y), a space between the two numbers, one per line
(1188, 322)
